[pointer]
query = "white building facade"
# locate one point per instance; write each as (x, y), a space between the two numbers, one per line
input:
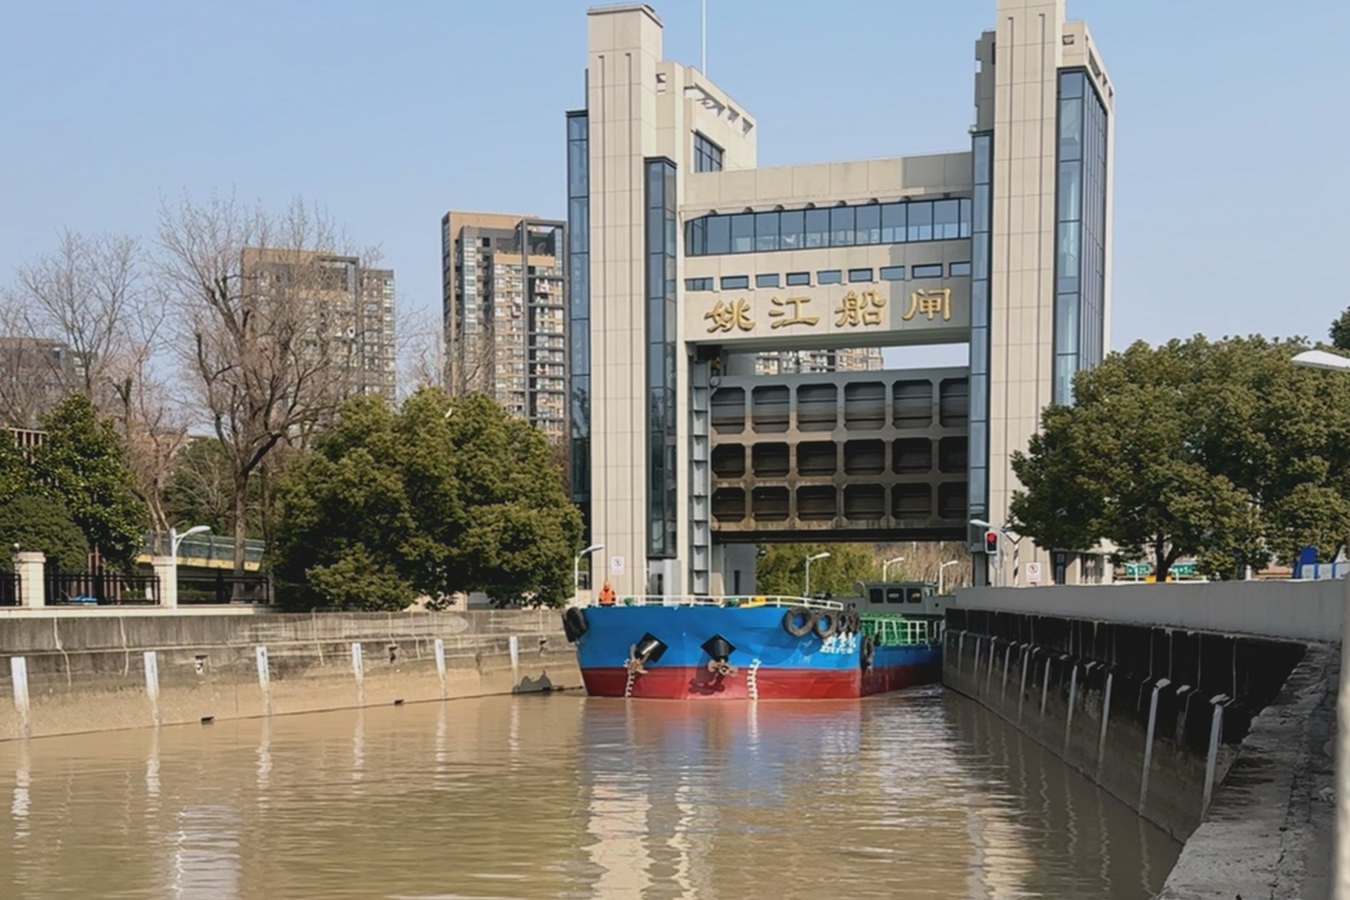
(689, 262)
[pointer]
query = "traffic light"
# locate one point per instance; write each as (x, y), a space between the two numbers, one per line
(991, 542)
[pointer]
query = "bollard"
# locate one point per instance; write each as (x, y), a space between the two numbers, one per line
(1211, 761)
(264, 678)
(359, 671)
(152, 684)
(1148, 741)
(439, 648)
(18, 671)
(1106, 717)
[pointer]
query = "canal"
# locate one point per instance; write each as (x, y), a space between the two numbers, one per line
(913, 795)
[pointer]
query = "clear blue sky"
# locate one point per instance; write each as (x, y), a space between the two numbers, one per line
(1231, 180)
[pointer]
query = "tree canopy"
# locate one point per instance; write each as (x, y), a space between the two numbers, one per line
(36, 523)
(782, 568)
(1220, 450)
(438, 497)
(1340, 331)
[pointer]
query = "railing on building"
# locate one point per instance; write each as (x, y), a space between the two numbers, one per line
(101, 589)
(11, 592)
(222, 589)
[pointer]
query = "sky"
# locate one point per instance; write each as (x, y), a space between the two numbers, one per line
(1231, 183)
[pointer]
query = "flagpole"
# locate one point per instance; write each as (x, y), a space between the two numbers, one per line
(705, 37)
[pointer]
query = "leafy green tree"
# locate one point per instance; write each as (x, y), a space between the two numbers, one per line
(1340, 332)
(36, 523)
(1222, 450)
(82, 463)
(430, 500)
(782, 569)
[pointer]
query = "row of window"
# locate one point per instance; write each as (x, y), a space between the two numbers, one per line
(839, 226)
(828, 276)
(707, 155)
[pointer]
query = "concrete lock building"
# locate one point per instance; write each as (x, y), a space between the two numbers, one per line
(688, 261)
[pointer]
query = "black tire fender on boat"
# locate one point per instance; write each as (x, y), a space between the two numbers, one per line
(827, 624)
(799, 621)
(574, 623)
(869, 650)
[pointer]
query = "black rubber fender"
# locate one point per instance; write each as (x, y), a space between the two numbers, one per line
(869, 649)
(827, 624)
(574, 623)
(799, 621)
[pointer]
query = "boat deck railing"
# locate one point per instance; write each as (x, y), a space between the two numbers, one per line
(892, 631)
(732, 602)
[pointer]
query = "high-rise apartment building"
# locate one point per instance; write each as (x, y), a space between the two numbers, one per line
(504, 308)
(35, 374)
(353, 309)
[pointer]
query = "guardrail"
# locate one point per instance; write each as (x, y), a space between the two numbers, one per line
(11, 591)
(101, 589)
(738, 601)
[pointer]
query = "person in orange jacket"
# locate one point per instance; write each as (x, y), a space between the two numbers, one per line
(607, 594)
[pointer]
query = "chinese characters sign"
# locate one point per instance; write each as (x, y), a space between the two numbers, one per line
(837, 311)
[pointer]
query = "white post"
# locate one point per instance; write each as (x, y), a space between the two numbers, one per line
(358, 669)
(18, 672)
(439, 647)
(513, 646)
(30, 567)
(264, 678)
(152, 684)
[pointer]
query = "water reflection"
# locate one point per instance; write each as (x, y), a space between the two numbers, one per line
(913, 796)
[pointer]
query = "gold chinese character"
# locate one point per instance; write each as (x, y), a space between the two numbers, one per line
(860, 309)
(795, 317)
(930, 303)
(727, 316)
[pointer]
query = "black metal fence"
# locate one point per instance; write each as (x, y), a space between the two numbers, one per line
(224, 588)
(101, 589)
(11, 592)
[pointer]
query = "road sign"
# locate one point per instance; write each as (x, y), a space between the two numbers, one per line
(616, 565)
(1138, 570)
(1033, 573)
(1182, 570)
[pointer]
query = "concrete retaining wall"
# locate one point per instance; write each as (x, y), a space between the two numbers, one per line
(66, 675)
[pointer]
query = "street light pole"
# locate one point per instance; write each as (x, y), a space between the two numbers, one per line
(942, 569)
(1321, 359)
(885, 567)
(810, 559)
(576, 567)
(175, 540)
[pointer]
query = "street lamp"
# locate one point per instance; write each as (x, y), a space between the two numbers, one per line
(175, 540)
(941, 571)
(576, 567)
(809, 560)
(1321, 359)
(885, 567)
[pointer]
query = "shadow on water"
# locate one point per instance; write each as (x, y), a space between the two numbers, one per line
(905, 796)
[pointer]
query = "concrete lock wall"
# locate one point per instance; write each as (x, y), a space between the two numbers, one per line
(68, 675)
(1153, 715)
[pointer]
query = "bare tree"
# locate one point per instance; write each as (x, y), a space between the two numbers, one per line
(421, 351)
(923, 559)
(260, 337)
(70, 319)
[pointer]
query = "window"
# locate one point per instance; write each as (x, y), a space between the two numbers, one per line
(837, 226)
(959, 270)
(929, 271)
(893, 273)
(856, 275)
(707, 155)
(766, 281)
(798, 279)
(698, 284)
(735, 282)
(830, 276)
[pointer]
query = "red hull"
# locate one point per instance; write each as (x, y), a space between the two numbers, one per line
(693, 683)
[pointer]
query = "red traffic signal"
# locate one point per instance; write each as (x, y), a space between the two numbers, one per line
(991, 543)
